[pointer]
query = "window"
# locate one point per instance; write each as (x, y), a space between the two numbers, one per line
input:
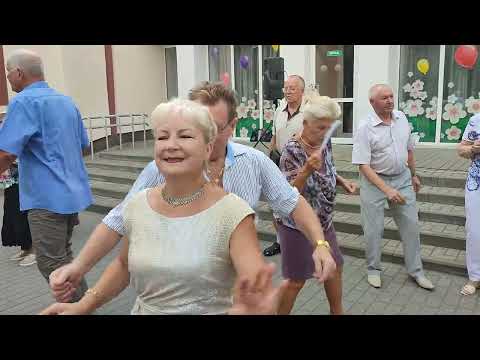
(171, 72)
(423, 80)
(461, 97)
(247, 88)
(253, 112)
(334, 78)
(418, 91)
(219, 62)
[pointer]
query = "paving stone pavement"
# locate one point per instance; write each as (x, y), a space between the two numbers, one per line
(23, 291)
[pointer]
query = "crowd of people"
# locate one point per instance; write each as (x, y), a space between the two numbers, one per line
(187, 226)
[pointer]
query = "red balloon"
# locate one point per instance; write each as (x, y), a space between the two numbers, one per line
(466, 56)
(226, 79)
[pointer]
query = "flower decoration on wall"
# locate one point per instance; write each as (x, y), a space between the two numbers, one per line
(431, 113)
(407, 88)
(451, 85)
(418, 85)
(434, 102)
(243, 132)
(414, 108)
(473, 105)
(410, 74)
(242, 111)
(268, 115)
(454, 112)
(256, 114)
(453, 133)
(452, 99)
(251, 104)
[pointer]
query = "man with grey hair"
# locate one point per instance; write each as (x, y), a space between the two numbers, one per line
(287, 121)
(45, 131)
(383, 149)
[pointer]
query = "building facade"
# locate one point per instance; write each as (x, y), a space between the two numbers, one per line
(437, 86)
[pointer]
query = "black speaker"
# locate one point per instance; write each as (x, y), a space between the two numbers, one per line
(273, 78)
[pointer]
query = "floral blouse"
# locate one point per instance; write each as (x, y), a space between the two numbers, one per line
(472, 133)
(9, 177)
(319, 189)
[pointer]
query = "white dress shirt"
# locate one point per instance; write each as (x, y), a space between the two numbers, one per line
(383, 146)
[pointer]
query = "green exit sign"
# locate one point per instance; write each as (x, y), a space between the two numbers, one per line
(335, 53)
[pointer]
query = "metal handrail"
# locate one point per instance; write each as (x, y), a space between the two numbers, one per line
(107, 124)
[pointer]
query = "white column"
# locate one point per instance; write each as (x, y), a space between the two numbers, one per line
(185, 69)
(192, 67)
(372, 66)
(295, 57)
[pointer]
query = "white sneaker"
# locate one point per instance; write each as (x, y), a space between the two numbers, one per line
(28, 260)
(423, 282)
(19, 256)
(375, 281)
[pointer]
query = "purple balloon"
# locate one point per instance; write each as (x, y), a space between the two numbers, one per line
(244, 61)
(215, 51)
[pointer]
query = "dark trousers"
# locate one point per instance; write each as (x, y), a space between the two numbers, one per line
(15, 229)
(52, 235)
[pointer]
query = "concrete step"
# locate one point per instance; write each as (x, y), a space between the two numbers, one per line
(125, 156)
(433, 257)
(437, 178)
(126, 172)
(113, 176)
(103, 204)
(130, 166)
(431, 233)
(438, 213)
(436, 195)
(109, 189)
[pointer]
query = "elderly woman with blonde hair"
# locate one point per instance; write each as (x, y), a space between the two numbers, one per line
(187, 240)
(312, 171)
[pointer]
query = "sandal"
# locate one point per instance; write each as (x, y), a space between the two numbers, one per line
(470, 288)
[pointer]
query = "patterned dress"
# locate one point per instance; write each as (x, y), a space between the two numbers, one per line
(472, 203)
(319, 191)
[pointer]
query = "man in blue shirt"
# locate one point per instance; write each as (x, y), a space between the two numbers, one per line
(44, 129)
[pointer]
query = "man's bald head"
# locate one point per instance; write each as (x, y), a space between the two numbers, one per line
(24, 67)
(381, 99)
(294, 89)
(26, 60)
(376, 89)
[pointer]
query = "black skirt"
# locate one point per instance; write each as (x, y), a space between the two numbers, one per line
(15, 229)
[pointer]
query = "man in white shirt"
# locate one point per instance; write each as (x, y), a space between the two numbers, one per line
(287, 121)
(383, 149)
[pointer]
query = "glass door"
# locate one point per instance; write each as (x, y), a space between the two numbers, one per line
(334, 78)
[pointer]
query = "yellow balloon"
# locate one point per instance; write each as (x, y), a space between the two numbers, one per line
(275, 47)
(423, 66)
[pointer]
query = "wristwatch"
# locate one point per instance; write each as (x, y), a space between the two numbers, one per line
(323, 243)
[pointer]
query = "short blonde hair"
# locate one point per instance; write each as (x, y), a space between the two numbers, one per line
(196, 113)
(320, 107)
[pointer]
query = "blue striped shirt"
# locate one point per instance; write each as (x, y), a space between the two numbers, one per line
(248, 173)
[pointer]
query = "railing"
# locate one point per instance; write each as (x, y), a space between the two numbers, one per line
(116, 124)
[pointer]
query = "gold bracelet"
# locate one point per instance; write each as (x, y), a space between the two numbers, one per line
(93, 292)
(323, 243)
